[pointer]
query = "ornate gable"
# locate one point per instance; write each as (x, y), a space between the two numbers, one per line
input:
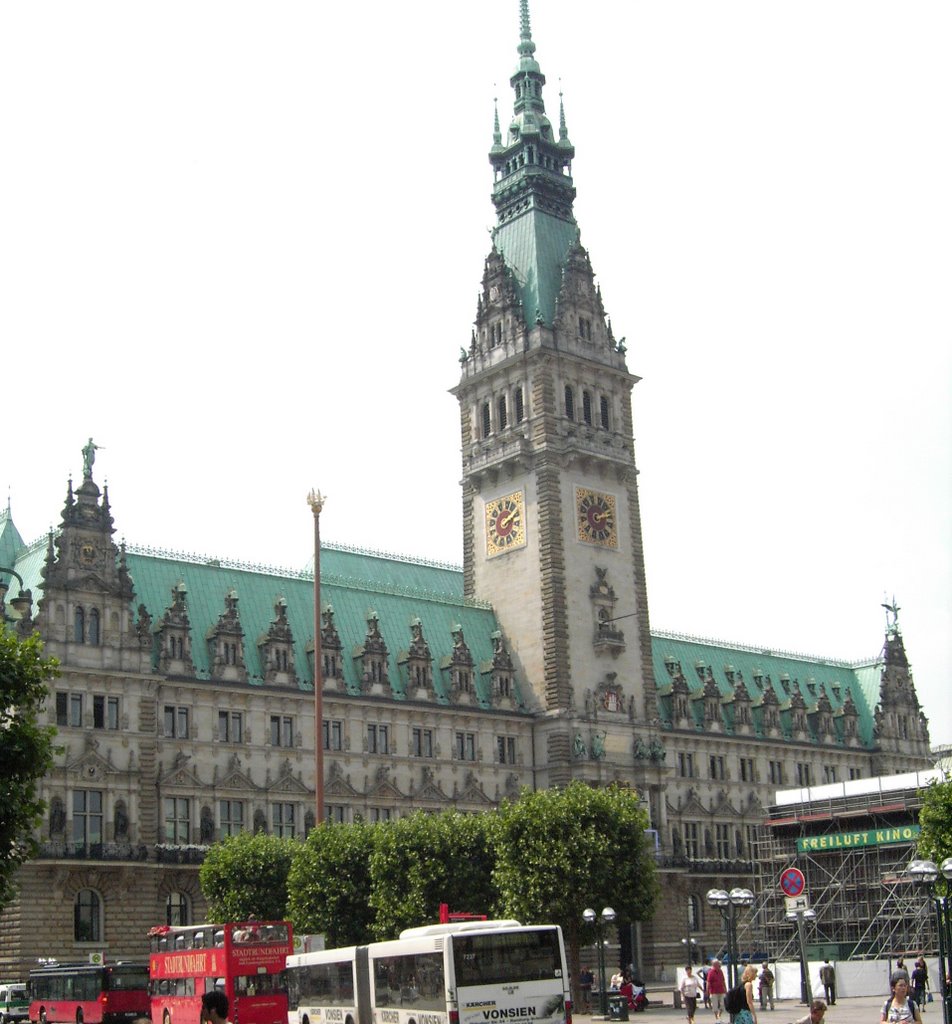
(226, 648)
(180, 775)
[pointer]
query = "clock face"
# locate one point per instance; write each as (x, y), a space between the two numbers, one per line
(595, 517)
(505, 524)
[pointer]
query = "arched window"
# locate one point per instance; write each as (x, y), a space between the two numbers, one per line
(177, 909)
(587, 407)
(87, 916)
(79, 626)
(501, 418)
(487, 423)
(603, 403)
(569, 402)
(694, 914)
(93, 634)
(520, 408)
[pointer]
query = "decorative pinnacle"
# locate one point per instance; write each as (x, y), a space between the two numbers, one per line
(497, 134)
(526, 45)
(563, 130)
(316, 500)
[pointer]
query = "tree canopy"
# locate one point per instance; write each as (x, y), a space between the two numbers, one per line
(329, 884)
(423, 860)
(27, 750)
(935, 818)
(560, 851)
(246, 876)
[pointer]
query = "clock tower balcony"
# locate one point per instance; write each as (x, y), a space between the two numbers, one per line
(490, 459)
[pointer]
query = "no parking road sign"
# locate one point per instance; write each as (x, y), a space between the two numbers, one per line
(792, 882)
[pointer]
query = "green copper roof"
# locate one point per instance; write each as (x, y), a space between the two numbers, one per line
(785, 672)
(11, 543)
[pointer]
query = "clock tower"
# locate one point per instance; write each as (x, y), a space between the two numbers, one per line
(552, 532)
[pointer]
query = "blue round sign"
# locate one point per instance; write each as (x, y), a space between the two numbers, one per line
(792, 882)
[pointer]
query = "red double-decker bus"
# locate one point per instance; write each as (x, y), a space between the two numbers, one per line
(86, 993)
(245, 960)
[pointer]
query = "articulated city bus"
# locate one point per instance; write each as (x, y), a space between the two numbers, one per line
(245, 960)
(87, 993)
(473, 972)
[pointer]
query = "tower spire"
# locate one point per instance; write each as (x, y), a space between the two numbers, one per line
(533, 191)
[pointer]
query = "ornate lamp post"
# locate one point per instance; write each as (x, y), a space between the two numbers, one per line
(590, 917)
(316, 500)
(728, 903)
(926, 873)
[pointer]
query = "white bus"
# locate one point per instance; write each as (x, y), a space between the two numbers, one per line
(472, 972)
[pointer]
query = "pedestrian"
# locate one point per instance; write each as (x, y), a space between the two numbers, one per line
(702, 977)
(900, 1008)
(214, 1008)
(815, 1016)
(828, 980)
(586, 979)
(900, 971)
(920, 979)
(716, 987)
(766, 986)
(748, 1015)
(690, 989)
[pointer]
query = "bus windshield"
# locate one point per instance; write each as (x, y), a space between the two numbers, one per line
(507, 956)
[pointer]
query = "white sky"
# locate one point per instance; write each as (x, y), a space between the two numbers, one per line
(241, 243)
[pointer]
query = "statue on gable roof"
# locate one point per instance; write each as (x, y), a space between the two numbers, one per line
(89, 457)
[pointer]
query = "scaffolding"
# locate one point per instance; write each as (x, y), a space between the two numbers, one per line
(853, 846)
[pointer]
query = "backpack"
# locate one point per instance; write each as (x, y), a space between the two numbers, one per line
(736, 1000)
(913, 1009)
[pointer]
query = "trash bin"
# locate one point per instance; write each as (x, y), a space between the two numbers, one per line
(676, 994)
(617, 1008)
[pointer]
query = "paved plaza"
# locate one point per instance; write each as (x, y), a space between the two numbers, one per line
(858, 1010)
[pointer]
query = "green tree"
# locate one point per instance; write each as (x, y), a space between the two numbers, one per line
(424, 860)
(246, 876)
(27, 750)
(935, 817)
(560, 851)
(329, 884)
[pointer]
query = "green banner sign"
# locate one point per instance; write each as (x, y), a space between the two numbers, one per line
(848, 840)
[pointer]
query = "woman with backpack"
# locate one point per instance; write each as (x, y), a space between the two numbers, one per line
(739, 1001)
(900, 1008)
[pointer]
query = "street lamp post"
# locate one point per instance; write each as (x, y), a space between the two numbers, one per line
(691, 945)
(590, 917)
(926, 873)
(799, 916)
(728, 903)
(316, 500)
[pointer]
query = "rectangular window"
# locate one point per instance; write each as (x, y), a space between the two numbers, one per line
(87, 816)
(466, 746)
(176, 722)
(804, 774)
(334, 812)
(775, 770)
(506, 749)
(232, 814)
(105, 712)
(856, 773)
(282, 820)
(716, 766)
(177, 820)
(751, 840)
(380, 814)
(421, 742)
(230, 726)
(722, 841)
(686, 766)
(829, 773)
(282, 731)
(378, 739)
(746, 769)
(692, 840)
(333, 735)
